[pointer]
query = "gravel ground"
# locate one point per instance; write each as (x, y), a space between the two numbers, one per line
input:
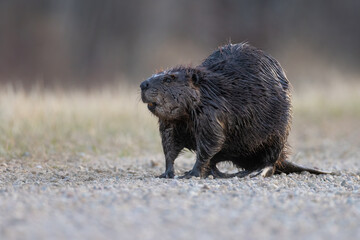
(121, 199)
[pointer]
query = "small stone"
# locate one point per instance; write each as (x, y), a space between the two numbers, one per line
(205, 187)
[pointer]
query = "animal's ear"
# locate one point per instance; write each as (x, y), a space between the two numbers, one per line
(195, 78)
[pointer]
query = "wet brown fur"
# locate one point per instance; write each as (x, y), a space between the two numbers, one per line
(235, 106)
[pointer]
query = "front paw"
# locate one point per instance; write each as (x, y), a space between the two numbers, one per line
(167, 174)
(190, 174)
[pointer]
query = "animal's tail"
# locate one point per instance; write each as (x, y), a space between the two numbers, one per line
(289, 167)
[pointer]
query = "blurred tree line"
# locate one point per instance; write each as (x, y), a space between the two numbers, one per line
(90, 42)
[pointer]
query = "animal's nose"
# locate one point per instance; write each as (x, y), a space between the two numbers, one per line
(144, 85)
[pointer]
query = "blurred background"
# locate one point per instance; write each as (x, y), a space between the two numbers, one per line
(89, 43)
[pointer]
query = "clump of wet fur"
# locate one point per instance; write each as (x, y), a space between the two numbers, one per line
(235, 106)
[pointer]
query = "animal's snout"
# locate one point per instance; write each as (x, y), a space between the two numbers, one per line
(144, 85)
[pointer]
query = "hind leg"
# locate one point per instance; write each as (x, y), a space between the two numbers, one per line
(216, 173)
(263, 161)
(264, 172)
(269, 157)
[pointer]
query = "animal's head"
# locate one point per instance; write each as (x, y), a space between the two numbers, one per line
(171, 94)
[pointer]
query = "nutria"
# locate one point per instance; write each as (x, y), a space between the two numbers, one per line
(235, 106)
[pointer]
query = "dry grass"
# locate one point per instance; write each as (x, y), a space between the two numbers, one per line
(113, 122)
(48, 124)
(336, 100)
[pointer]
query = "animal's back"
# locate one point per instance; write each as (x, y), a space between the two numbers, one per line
(244, 61)
(257, 93)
